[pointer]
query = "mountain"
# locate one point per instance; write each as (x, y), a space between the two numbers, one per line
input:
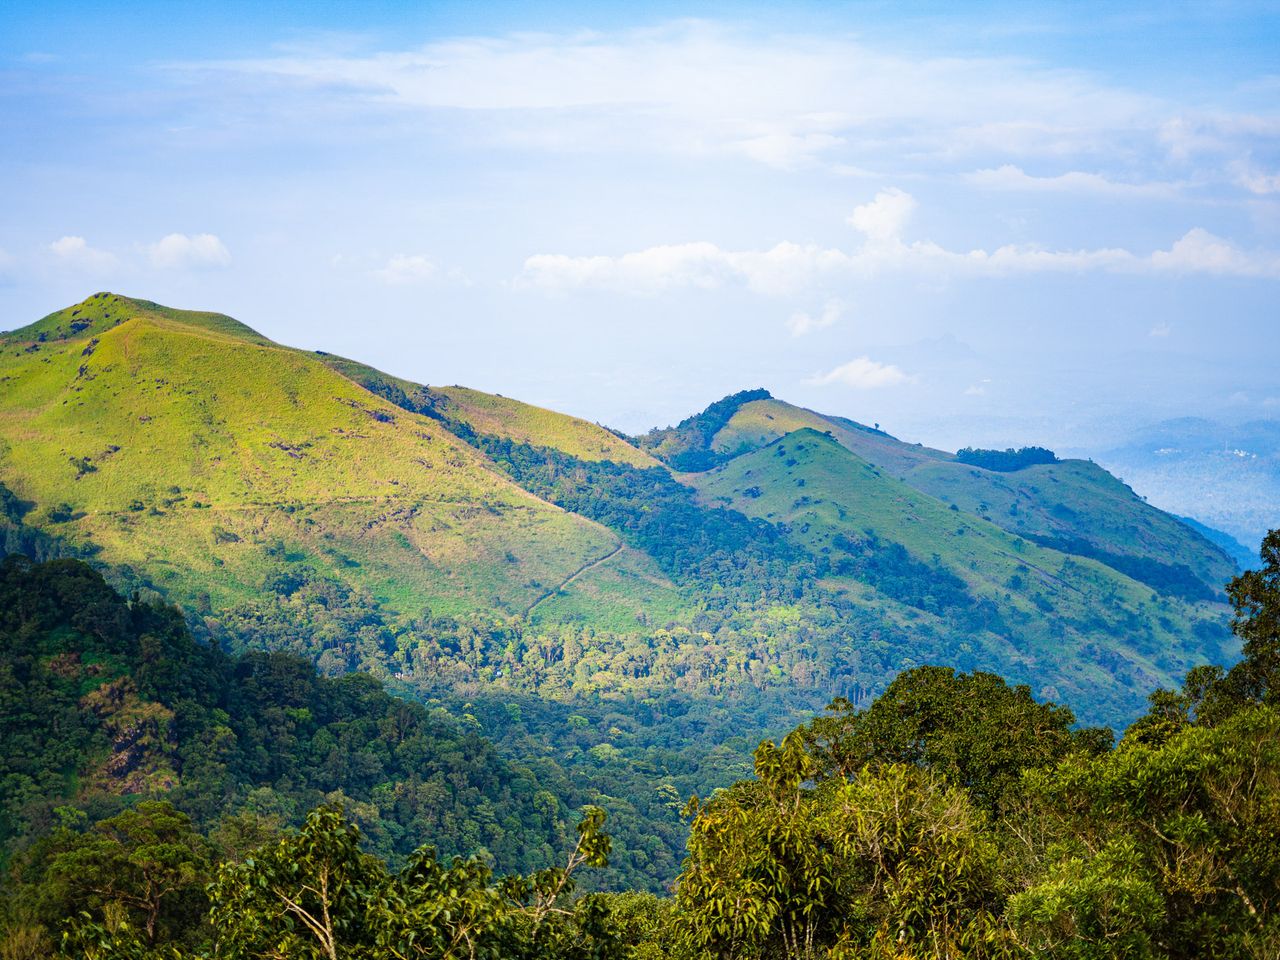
(242, 478)
(210, 460)
(1073, 505)
(1226, 476)
(626, 615)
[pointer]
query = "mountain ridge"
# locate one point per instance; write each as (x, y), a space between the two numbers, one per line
(269, 467)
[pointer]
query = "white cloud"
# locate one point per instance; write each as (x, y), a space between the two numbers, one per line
(884, 218)
(1013, 178)
(406, 269)
(178, 250)
(698, 88)
(789, 267)
(1199, 251)
(803, 323)
(976, 390)
(75, 251)
(1160, 330)
(862, 373)
(1256, 181)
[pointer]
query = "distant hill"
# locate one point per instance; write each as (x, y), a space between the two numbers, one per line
(1225, 476)
(1072, 505)
(298, 500)
(628, 616)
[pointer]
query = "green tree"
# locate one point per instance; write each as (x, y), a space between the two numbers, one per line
(974, 729)
(1170, 848)
(893, 862)
(140, 872)
(303, 897)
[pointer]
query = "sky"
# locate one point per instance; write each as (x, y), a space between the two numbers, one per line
(986, 223)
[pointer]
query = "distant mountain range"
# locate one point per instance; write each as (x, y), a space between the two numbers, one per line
(1225, 476)
(449, 539)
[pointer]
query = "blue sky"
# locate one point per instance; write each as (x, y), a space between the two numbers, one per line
(991, 223)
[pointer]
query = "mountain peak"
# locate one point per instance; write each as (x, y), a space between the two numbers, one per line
(104, 310)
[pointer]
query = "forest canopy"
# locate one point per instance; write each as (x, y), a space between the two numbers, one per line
(956, 816)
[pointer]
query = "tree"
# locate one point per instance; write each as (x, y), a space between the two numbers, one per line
(893, 862)
(303, 896)
(314, 895)
(143, 870)
(973, 729)
(1169, 847)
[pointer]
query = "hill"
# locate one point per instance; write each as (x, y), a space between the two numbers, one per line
(308, 502)
(946, 566)
(211, 461)
(1071, 505)
(626, 617)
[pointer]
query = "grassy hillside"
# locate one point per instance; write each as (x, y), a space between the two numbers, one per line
(762, 421)
(651, 608)
(1073, 505)
(498, 416)
(192, 449)
(998, 585)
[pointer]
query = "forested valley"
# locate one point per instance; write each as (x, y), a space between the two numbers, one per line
(167, 800)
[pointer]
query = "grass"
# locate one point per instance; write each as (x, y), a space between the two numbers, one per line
(169, 434)
(524, 423)
(1070, 499)
(820, 489)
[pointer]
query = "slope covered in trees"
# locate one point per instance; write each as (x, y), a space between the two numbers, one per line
(102, 700)
(629, 629)
(956, 816)
(298, 501)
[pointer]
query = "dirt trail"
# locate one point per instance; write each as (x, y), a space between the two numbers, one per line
(572, 577)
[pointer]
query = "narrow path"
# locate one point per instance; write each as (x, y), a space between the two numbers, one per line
(572, 577)
(1043, 573)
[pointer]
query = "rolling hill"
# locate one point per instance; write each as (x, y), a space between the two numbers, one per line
(302, 500)
(197, 452)
(628, 616)
(874, 529)
(1073, 505)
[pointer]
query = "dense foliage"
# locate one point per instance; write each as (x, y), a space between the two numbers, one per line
(1006, 461)
(687, 446)
(954, 817)
(102, 699)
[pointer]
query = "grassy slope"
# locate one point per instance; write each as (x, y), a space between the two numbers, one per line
(263, 444)
(843, 493)
(525, 423)
(622, 591)
(1074, 498)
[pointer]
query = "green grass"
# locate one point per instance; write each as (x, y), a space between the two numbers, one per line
(820, 489)
(625, 593)
(1070, 499)
(170, 434)
(524, 423)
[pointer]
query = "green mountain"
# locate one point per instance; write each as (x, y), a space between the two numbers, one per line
(189, 448)
(628, 616)
(241, 479)
(1073, 505)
